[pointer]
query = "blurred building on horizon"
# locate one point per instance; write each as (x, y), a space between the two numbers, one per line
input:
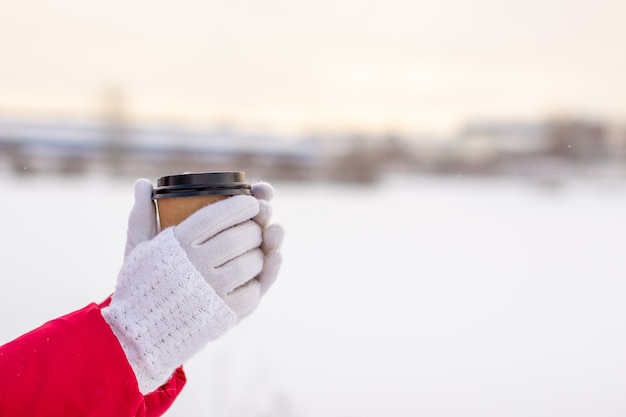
(551, 150)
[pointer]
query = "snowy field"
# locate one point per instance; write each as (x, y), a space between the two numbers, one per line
(415, 297)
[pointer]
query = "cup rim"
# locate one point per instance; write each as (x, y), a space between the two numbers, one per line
(202, 183)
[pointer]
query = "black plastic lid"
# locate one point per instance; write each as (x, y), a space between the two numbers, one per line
(205, 183)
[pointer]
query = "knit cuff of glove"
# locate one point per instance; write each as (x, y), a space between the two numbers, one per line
(163, 311)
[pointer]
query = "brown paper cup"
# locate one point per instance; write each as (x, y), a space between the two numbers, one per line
(179, 196)
(174, 210)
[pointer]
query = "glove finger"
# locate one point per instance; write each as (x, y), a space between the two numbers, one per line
(263, 191)
(273, 237)
(232, 243)
(237, 273)
(215, 218)
(271, 267)
(245, 299)
(142, 219)
(265, 213)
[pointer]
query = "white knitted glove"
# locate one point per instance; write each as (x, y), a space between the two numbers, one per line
(189, 284)
(273, 235)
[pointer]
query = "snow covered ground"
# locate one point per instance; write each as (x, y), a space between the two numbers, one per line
(416, 297)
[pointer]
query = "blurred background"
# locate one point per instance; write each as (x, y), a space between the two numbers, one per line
(451, 176)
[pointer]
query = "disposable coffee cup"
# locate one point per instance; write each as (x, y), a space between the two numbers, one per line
(178, 196)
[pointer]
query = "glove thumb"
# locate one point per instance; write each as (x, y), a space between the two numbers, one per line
(142, 219)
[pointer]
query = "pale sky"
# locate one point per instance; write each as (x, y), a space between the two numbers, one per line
(412, 66)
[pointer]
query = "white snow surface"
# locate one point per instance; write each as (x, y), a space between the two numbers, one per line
(415, 297)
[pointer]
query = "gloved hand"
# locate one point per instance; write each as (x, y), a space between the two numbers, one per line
(273, 235)
(181, 288)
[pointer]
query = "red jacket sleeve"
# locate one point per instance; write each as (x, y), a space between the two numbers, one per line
(74, 366)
